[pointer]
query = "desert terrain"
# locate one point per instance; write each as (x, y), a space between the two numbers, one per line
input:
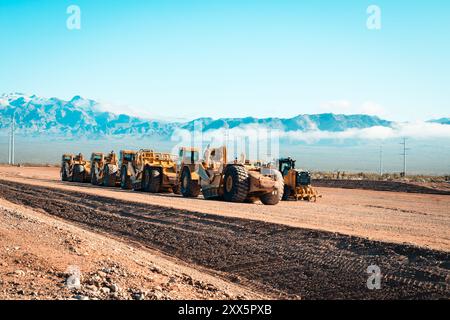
(135, 245)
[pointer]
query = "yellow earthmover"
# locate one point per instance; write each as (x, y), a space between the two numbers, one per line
(80, 169)
(236, 181)
(126, 156)
(188, 180)
(297, 184)
(104, 169)
(152, 171)
(66, 164)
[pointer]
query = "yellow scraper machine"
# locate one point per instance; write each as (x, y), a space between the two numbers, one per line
(75, 168)
(191, 174)
(235, 181)
(66, 163)
(151, 171)
(297, 184)
(104, 169)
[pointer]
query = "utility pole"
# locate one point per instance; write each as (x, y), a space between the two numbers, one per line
(9, 147)
(227, 136)
(13, 140)
(381, 161)
(404, 156)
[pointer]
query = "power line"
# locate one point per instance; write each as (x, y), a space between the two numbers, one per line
(404, 154)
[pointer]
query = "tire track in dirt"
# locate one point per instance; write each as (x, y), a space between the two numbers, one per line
(276, 259)
(393, 186)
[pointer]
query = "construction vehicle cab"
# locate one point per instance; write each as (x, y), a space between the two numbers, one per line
(188, 155)
(297, 184)
(286, 164)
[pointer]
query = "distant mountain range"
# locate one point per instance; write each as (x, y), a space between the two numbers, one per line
(78, 117)
(38, 116)
(441, 121)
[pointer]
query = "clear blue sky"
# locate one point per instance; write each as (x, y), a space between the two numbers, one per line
(192, 58)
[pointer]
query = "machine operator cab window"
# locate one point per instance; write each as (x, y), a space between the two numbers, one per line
(286, 165)
(188, 156)
(284, 168)
(127, 156)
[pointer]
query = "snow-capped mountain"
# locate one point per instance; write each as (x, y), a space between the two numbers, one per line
(41, 116)
(324, 122)
(83, 117)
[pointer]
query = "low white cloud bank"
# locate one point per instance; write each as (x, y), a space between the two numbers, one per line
(416, 130)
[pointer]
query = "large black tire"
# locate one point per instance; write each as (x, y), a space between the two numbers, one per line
(236, 184)
(146, 177)
(94, 177)
(125, 181)
(87, 177)
(78, 173)
(155, 181)
(274, 197)
(211, 194)
(286, 193)
(65, 172)
(151, 181)
(189, 188)
(109, 179)
(176, 189)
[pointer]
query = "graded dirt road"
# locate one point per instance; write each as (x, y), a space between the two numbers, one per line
(277, 259)
(418, 219)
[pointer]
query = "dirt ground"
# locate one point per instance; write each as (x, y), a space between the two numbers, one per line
(42, 257)
(413, 218)
(293, 250)
(442, 187)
